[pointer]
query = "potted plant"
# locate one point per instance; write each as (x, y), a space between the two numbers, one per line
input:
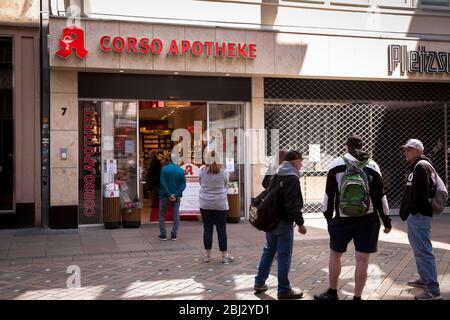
(131, 214)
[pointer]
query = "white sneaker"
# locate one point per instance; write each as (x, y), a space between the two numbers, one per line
(206, 259)
(227, 259)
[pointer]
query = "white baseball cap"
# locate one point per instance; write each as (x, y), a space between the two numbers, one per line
(414, 143)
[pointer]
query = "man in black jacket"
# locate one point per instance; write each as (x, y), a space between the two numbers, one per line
(416, 209)
(281, 240)
(362, 230)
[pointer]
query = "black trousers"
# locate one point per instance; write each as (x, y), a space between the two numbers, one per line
(219, 219)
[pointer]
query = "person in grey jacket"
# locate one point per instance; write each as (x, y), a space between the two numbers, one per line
(214, 208)
(280, 241)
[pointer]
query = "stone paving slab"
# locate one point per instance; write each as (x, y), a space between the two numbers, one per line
(174, 270)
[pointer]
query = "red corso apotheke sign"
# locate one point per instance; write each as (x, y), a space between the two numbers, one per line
(73, 40)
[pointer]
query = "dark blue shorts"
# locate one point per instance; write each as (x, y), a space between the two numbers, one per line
(363, 230)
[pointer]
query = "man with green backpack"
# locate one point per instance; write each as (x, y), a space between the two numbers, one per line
(354, 189)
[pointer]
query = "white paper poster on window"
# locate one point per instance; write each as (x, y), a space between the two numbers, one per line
(111, 166)
(108, 143)
(230, 165)
(314, 153)
(189, 202)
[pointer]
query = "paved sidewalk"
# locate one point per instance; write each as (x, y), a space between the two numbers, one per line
(134, 264)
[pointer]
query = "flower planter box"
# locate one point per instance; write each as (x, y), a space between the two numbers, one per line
(112, 216)
(234, 213)
(131, 218)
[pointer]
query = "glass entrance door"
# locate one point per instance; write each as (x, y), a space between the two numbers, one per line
(6, 127)
(226, 134)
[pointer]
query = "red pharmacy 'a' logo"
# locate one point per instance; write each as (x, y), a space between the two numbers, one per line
(72, 38)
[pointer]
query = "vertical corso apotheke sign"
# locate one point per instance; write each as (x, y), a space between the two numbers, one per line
(73, 41)
(89, 151)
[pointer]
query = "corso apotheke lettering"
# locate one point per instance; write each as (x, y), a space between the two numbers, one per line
(133, 45)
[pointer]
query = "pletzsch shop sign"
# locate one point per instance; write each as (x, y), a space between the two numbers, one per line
(73, 41)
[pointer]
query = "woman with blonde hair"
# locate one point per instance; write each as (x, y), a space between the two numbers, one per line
(214, 207)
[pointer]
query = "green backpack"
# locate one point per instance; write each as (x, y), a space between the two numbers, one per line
(354, 197)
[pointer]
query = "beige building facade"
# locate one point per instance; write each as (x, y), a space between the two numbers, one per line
(284, 55)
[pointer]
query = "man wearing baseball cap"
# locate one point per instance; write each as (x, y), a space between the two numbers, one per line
(416, 209)
(280, 241)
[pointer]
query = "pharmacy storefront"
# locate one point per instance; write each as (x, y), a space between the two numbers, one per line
(111, 116)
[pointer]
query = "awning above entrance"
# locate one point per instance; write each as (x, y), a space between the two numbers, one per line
(151, 87)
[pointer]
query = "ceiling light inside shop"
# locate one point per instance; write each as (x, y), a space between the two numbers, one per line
(176, 72)
(177, 104)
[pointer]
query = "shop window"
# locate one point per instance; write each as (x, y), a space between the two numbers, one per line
(119, 134)
(115, 148)
(108, 156)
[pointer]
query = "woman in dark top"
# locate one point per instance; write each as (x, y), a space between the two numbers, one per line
(153, 176)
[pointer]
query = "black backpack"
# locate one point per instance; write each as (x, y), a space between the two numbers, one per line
(264, 208)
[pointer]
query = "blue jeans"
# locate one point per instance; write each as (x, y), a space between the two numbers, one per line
(419, 235)
(211, 218)
(279, 241)
(163, 203)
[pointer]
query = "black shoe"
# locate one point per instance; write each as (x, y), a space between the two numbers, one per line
(427, 295)
(293, 294)
(162, 238)
(326, 295)
(259, 289)
(417, 284)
